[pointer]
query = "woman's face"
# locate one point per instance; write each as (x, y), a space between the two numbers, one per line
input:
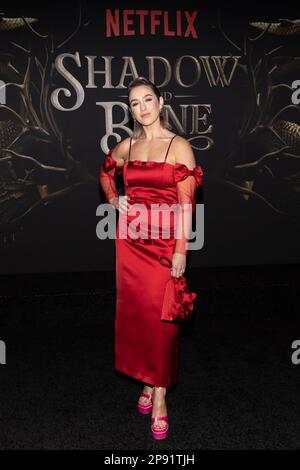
(144, 104)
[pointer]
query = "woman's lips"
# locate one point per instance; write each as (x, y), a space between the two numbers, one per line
(147, 114)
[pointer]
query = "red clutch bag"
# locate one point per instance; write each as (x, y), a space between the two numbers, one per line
(178, 300)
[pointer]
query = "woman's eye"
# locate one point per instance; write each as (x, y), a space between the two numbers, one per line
(134, 104)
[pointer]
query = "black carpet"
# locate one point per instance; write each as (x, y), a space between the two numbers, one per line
(237, 386)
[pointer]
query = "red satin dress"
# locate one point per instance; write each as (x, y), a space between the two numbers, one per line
(147, 348)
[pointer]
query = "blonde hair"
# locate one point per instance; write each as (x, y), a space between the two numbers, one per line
(138, 129)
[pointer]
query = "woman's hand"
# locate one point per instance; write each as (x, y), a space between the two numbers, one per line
(121, 203)
(178, 264)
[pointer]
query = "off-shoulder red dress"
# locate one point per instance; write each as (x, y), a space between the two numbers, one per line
(147, 348)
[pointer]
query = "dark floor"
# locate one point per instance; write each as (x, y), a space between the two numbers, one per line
(237, 386)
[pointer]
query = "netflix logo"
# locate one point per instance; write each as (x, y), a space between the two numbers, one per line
(150, 22)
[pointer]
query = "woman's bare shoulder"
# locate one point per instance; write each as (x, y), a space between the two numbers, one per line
(121, 150)
(183, 152)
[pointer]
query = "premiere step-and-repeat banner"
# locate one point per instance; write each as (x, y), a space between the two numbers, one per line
(230, 79)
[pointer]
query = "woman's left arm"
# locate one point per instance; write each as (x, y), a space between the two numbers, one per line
(188, 176)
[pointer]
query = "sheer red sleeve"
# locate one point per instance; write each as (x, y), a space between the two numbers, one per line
(107, 176)
(187, 182)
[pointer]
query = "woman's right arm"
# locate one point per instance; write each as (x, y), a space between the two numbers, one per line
(113, 164)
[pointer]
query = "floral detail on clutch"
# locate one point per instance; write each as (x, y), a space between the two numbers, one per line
(178, 300)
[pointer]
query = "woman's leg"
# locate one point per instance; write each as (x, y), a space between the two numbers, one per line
(159, 405)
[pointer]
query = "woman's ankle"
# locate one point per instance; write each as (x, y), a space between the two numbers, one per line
(159, 393)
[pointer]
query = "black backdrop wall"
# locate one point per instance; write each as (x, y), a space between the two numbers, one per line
(228, 75)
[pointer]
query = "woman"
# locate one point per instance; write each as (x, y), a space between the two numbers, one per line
(158, 167)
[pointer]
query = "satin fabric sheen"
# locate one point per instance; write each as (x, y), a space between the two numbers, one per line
(146, 348)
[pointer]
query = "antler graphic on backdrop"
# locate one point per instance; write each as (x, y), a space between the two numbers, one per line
(262, 130)
(36, 160)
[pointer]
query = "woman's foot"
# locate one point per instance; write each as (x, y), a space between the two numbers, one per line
(144, 400)
(159, 407)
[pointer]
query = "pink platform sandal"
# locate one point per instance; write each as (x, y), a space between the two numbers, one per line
(160, 433)
(145, 408)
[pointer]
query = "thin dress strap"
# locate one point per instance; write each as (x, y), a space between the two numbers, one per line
(169, 147)
(130, 148)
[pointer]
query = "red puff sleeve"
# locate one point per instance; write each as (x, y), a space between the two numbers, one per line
(107, 176)
(187, 182)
